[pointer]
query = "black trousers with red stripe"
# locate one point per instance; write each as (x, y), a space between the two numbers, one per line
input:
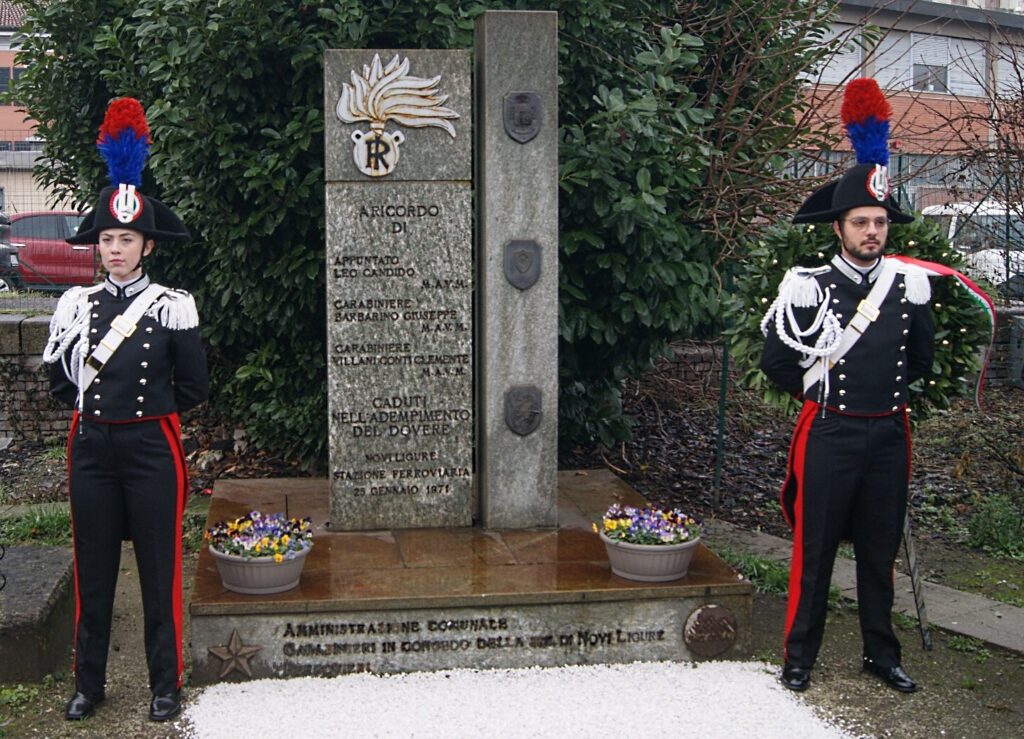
(127, 480)
(848, 480)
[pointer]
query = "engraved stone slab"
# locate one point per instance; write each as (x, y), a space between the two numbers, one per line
(400, 373)
(519, 635)
(398, 135)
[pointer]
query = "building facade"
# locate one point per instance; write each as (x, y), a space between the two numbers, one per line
(949, 69)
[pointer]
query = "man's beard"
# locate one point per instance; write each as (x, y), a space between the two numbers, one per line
(859, 249)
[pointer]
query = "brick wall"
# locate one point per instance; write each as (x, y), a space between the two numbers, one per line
(26, 409)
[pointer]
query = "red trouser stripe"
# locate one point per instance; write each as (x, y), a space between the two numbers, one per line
(74, 561)
(797, 455)
(906, 431)
(171, 427)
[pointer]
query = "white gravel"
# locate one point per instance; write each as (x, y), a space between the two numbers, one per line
(663, 699)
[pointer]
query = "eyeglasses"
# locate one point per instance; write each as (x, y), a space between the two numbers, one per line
(862, 223)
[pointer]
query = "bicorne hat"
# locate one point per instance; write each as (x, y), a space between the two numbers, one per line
(123, 143)
(865, 114)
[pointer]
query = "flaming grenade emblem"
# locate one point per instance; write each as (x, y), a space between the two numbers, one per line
(386, 93)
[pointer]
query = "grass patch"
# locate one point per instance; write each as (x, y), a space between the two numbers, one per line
(49, 524)
(15, 697)
(1001, 580)
(193, 525)
(56, 451)
(970, 645)
(903, 621)
(936, 514)
(766, 575)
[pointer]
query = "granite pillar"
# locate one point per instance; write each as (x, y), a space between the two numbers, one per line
(516, 100)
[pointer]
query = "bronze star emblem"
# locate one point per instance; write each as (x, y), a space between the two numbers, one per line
(235, 655)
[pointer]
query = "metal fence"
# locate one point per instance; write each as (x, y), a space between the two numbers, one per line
(36, 265)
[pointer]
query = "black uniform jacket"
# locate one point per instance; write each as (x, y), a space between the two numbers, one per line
(154, 372)
(873, 377)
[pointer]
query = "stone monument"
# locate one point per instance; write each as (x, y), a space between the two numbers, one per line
(430, 336)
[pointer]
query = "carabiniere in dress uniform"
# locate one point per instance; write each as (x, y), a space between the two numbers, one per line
(127, 357)
(849, 338)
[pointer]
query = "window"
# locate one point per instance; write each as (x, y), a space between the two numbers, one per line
(891, 61)
(843, 65)
(929, 57)
(1008, 77)
(14, 80)
(5, 78)
(930, 77)
(39, 227)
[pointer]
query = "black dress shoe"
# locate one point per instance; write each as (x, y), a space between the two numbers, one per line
(164, 707)
(81, 706)
(796, 678)
(894, 677)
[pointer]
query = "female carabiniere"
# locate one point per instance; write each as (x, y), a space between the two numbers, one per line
(127, 357)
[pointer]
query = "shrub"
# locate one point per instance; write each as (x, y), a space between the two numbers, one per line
(997, 526)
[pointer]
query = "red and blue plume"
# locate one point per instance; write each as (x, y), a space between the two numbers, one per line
(865, 114)
(124, 141)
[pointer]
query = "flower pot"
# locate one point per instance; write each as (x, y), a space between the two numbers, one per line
(259, 575)
(649, 562)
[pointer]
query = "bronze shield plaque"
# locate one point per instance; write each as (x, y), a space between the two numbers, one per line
(523, 409)
(522, 115)
(522, 263)
(710, 631)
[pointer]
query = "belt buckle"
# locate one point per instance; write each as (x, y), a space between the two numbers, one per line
(126, 328)
(868, 310)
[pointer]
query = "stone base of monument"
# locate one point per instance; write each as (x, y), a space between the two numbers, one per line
(36, 613)
(429, 599)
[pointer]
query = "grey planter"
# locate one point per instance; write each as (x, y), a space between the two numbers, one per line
(259, 575)
(649, 562)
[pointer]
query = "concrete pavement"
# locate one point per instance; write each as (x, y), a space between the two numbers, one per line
(956, 611)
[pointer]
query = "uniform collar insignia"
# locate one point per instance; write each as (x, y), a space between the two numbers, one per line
(855, 275)
(126, 291)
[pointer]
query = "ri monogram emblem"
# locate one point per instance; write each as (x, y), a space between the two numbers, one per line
(389, 93)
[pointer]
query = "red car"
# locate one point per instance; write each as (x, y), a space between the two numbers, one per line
(34, 255)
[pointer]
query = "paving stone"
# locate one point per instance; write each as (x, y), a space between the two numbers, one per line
(36, 612)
